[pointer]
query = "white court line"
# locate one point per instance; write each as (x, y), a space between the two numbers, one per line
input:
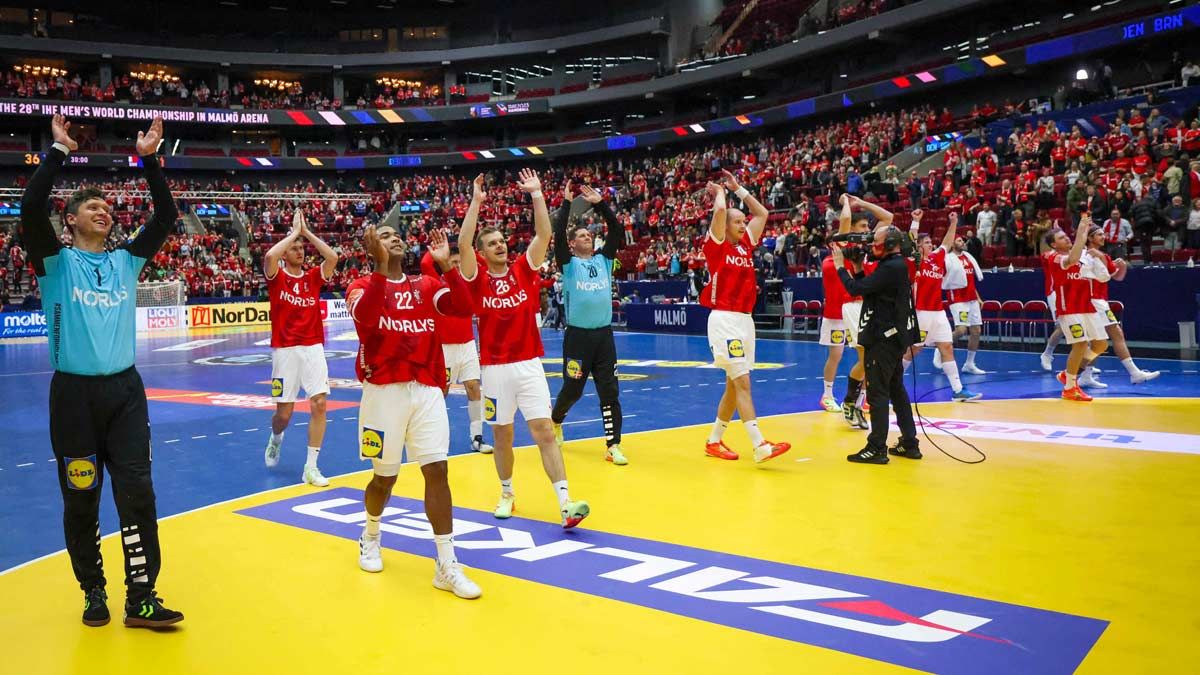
(225, 433)
(194, 438)
(173, 440)
(250, 430)
(20, 466)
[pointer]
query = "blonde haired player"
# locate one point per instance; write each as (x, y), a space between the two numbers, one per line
(403, 410)
(1102, 269)
(298, 340)
(507, 294)
(1081, 327)
(730, 294)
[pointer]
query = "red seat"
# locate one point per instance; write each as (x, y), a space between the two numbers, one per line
(1118, 308)
(990, 311)
(1010, 316)
(1037, 314)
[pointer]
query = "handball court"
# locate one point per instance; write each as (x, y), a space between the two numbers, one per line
(1073, 547)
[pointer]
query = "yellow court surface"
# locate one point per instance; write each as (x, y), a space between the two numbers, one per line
(1070, 547)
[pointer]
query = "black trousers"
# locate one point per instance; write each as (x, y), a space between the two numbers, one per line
(100, 424)
(885, 373)
(590, 351)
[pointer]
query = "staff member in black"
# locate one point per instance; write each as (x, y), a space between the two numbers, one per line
(588, 347)
(98, 413)
(887, 327)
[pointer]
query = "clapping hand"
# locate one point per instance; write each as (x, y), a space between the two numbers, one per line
(59, 126)
(147, 141)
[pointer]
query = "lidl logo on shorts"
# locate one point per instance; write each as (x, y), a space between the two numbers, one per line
(447, 375)
(1076, 330)
(372, 444)
(81, 472)
(837, 336)
(964, 316)
(489, 409)
(1111, 317)
(924, 334)
(276, 386)
(735, 348)
(574, 370)
(919, 628)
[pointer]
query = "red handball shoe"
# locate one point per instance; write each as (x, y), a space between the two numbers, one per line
(719, 450)
(1075, 394)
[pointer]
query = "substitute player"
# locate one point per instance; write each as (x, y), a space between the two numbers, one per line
(931, 317)
(1076, 313)
(98, 413)
(1103, 269)
(462, 356)
(298, 340)
(403, 408)
(506, 294)
(966, 306)
(588, 347)
(833, 331)
(730, 294)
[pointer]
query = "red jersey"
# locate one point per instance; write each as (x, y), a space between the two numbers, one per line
(966, 293)
(507, 305)
(835, 291)
(1072, 293)
(928, 297)
(1048, 271)
(397, 332)
(453, 330)
(296, 308)
(732, 286)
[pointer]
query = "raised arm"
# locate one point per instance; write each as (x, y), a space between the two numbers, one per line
(882, 215)
(716, 227)
(562, 248)
(914, 229)
(846, 215)
(758, 212)
(1122, 269)
(467, 264)
(1081, 235)
(614, 238)
(271, 259)
(329, 258)
(146, 244)
(365, 307)
(36, 230)
(536, 254)
(951, 232)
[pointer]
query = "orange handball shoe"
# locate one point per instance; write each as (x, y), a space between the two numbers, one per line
(1075, 394)
(719, 450)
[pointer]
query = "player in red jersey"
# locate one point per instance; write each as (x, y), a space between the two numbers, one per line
(833, 331)
(462, 356)
(730, 294)
(854, 406)
(1047, 357)
(1073, 305)
(927, 299)
(298, 340)
(507, 299)
(966, 305)
(1103, 269)
(403, 407)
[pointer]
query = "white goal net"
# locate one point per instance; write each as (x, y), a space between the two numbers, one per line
(161, 294)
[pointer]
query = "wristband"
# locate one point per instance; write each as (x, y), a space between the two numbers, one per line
(62, 148)
(742, 193)
(536, 194)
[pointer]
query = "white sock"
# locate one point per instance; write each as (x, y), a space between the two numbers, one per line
(445, 548)
(718, 430)
(970, 357)
(756, 437)
(1129, 366)
(373, 525)
(560, 489)
(1072, 381)
(828, 388)
(907, 363)
(312, 457)
(1050, 345)
(506, 487)
(276, 438)
(475, 412)
(862, 398)
(950, 368)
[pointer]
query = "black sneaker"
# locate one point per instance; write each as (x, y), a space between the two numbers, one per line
(913, 452)
(95, 607)
(149, 613)
(869, 456)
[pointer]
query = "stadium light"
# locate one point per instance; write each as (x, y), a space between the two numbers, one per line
(1081, 74)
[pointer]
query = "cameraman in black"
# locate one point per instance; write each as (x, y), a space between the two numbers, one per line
(887, 327)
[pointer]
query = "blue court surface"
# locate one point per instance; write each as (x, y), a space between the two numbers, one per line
(210, 416)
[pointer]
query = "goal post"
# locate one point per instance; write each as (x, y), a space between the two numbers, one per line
(161, 294)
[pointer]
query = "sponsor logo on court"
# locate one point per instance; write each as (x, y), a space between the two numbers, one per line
(371, 446)
(81, 472)
(920, 628)
(223, 400)
(1058, 434)
(256, 359)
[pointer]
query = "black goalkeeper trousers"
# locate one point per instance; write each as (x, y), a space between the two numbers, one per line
(590, 352)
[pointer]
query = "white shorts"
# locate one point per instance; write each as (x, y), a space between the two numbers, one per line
(1081, 327)
(731, 339)
(1104, 313)
(851, 313)
(462, 362)
(833, 333)
(402, 418)
(510, 387)
(295, 367)
(1050, 303)
(935, 328)
(966, 313)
